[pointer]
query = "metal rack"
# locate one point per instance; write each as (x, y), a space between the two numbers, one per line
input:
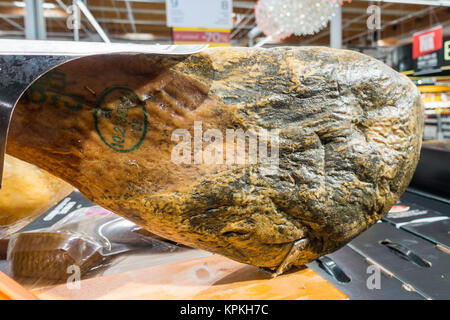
(443, 128)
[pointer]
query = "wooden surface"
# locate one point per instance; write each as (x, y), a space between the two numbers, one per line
(212, 277)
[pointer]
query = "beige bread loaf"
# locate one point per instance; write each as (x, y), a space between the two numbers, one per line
(27, 192)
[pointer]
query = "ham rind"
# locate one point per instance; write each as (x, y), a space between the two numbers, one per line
(134, 135)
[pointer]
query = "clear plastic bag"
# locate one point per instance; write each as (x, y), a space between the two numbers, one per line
(86, 241)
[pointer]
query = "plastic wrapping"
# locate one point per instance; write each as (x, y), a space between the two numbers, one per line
(27, 192)
(46, 255)
(84, 242)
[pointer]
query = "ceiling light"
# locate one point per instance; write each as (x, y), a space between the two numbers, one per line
(138, 36)
(45, 5)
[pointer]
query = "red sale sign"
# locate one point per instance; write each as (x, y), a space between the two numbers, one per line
(213, 37)
(427, 41)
